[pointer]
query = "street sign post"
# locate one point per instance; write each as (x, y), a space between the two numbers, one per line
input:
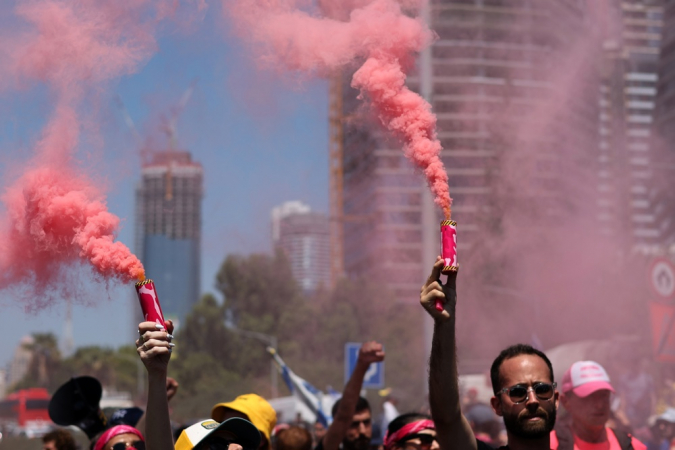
(374, 378)
(662, 279)
(663, 334)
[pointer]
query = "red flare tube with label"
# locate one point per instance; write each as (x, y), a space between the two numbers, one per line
(147, 296)
(448, 251)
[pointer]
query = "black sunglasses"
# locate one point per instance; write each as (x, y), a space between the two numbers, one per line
(520, 393)
(426, 440)
(138, 445)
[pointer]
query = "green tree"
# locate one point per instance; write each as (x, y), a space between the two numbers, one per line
(261, 295)
(213, 362)
(357, 311)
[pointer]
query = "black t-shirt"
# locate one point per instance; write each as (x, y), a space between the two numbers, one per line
(483, 446)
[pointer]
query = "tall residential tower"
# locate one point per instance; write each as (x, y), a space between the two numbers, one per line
(629, 203)
(304, 236)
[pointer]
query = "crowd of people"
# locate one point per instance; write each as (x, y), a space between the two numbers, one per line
(522, 413)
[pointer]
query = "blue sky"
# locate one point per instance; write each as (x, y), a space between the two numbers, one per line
(261, 138)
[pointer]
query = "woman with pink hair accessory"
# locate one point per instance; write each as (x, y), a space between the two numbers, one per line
(120, 437)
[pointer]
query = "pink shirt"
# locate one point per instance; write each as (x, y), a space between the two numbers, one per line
(610, 444)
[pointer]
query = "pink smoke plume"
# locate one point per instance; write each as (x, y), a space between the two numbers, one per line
(378, 35)
(56, 215)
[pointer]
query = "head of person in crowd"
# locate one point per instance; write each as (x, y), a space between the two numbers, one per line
(59, 439)
(119, 437)
(294, 438)
(412, 431)
(525, 394)
(360, 432)
(319, 431)
(662, 426)
(586, 395)
(471, 396)
(232, 434)
(253, 408)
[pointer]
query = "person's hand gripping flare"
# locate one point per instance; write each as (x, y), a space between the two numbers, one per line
(439, 299)
(154, 346)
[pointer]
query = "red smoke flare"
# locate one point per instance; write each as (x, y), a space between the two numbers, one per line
(56, 215)
(376, 32)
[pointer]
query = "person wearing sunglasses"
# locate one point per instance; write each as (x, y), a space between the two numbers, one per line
(411, 431)
(525, 394)
(586, 396)
(120, 437)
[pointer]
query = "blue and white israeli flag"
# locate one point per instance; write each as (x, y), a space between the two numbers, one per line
(303, 390)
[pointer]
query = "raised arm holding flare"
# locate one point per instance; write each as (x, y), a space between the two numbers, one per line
(452, 429)
(154, 347)
(525, 394)
(352, 425)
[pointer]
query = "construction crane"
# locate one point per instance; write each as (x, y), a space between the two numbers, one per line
(169, 127)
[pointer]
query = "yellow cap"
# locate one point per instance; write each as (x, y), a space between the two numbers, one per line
(256, 408)
(384, 392)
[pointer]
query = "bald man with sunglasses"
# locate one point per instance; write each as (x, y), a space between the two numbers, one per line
(525, 394)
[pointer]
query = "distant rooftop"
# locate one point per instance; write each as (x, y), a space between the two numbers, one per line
(166, 157)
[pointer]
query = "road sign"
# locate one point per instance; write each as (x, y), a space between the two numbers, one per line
(374, 378)
(663, 331)
(662, 278)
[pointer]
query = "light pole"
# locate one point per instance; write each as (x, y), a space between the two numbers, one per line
(269, 340)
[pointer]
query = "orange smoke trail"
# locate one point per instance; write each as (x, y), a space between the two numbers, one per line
(377, 32)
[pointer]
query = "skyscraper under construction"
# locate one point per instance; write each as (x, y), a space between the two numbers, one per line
(168, 228)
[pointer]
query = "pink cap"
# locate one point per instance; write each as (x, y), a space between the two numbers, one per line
(584, 378)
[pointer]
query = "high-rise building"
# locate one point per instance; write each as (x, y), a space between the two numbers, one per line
(666, 85)
(18, 366)
(629, 203)
(490, 55)
(168, 228)
(665, 119)
(304, 236)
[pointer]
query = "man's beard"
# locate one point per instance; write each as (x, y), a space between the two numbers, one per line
(519, 425)
(360, 443)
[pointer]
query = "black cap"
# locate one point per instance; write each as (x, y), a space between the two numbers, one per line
(77, 403)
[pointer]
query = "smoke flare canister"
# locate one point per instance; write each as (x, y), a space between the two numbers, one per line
(448, 251)
(147, 296)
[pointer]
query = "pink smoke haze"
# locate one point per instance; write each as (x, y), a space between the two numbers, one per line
(56, 214)
(377, 35)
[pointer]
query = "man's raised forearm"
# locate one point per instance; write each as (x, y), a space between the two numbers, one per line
(453, 430)
(346, 408)
(443, 379)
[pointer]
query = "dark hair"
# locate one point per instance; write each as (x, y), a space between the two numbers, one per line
(294, 438)
(361, 405)
(405, 419)
(61, 438)
(512, 352)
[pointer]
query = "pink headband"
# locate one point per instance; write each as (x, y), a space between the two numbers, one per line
(405, 430)
(116, 431)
